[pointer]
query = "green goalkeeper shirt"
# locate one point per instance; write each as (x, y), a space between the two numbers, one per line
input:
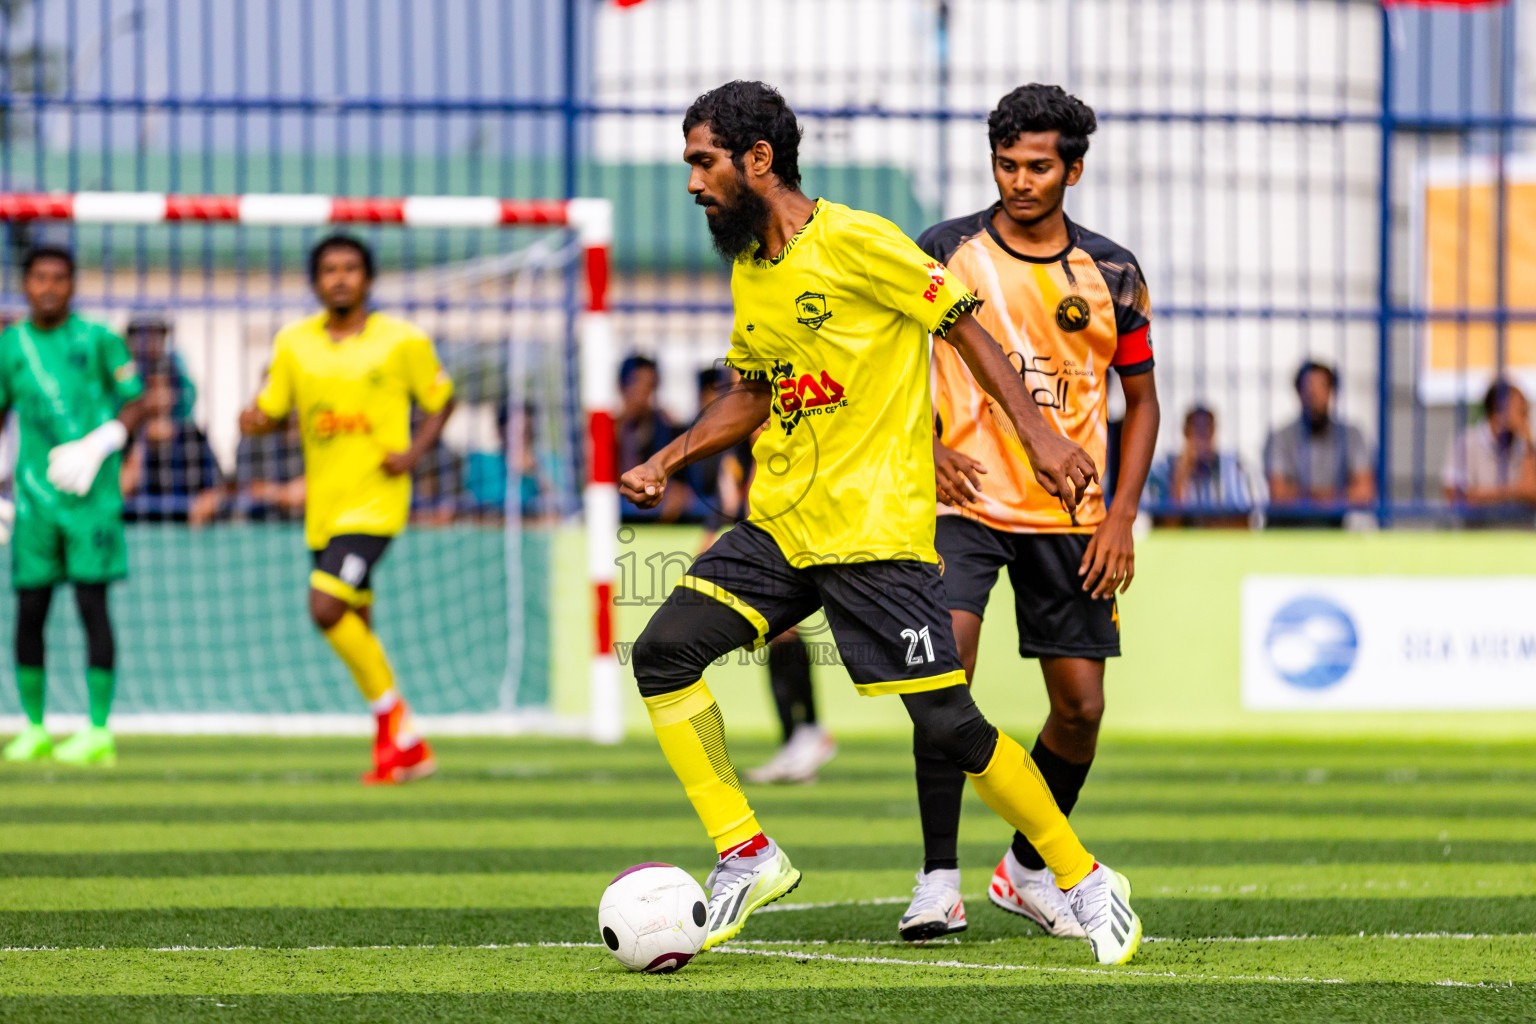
(63, 384)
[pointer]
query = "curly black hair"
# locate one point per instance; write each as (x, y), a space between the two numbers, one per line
(740, 114)
(1043, 108)
(47, 252)
(340, 241)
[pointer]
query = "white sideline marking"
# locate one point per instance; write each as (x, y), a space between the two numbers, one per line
(735, 947)
(882, 901)
(1357, 935)
(1395, 936)
(960, 964)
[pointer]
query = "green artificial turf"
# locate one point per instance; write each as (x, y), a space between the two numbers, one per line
(254, 880)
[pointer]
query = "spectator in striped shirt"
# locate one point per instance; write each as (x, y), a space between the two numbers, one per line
(1210, 483)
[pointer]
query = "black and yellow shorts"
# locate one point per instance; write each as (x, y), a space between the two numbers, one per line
(344, 567)
(887, 617)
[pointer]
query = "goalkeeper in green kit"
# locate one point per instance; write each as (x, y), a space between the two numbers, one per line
(77, 397)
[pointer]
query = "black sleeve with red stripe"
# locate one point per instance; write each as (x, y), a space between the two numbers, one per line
(1133, 309)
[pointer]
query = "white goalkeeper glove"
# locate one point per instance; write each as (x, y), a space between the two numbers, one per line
(73, 465)
(7, 519)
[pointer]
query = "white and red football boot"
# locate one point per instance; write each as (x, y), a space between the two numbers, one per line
(1035, 895)
(399, 755)
(936, 908)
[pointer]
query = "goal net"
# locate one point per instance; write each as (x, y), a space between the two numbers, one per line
(480, 626)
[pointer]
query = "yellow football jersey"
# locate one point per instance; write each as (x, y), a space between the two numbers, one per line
(353, 398)
(839, 323)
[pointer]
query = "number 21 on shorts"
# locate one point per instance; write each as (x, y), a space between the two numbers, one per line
(913, 637)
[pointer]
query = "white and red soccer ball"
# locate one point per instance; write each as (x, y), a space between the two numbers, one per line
(652, 918)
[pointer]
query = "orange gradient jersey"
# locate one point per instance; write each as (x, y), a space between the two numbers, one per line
(1063, 321)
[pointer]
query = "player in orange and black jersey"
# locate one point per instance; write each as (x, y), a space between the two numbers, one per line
(1067, 305)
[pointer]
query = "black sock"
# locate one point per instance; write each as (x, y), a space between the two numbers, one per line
(1065, 780)
(789, 675)
(940, 787)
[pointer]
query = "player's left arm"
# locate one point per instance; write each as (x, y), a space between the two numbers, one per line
(1109, 563)
(432, 389)
(74, 465)
(427, 436)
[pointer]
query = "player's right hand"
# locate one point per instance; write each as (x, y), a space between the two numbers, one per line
(957, 475)
(643, 485)
(1062, 467)
(7, 519)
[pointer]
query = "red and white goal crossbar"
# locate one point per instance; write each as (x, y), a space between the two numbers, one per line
(592, 222)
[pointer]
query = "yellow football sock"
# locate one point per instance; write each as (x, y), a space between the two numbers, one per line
(356, 644)
(692, 736)
(1012, 786)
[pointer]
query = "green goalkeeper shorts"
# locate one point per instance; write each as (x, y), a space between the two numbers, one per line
(75, 545)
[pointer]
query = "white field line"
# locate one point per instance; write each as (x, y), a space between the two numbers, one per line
(1036, 968)
(881, 902)
(735, 948)
(1395, 936)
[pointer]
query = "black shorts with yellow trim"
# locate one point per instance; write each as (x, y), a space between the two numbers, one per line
(1056, 618)
(344, 567)
(888, 618)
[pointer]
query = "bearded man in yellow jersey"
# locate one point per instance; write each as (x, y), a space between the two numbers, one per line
(833, 309)
(350, 375)
(1068, 305)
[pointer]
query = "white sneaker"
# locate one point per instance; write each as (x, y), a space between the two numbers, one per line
(1035, 895)
(809, 747)
(740, 884)
(1102, 904)
(936, 908)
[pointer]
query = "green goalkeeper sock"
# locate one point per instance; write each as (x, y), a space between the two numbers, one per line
(100, 682)
(30, 681)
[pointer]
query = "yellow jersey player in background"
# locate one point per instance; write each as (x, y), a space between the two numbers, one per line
(350, 375)
(833, 309)
(1068, 305)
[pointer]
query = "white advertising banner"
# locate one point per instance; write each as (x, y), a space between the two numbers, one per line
(1389, 643)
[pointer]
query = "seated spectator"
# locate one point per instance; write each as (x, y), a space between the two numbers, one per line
(1200, 478)
(269, 475)
(1319, 459)
(1491, 466)
(641, 430)
(485, 472)
(169, 473)
(149, 342)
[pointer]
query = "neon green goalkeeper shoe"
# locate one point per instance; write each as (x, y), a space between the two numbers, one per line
(92, 745)
(32, 745)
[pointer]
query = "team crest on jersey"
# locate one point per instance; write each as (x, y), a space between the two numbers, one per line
(797, 396)
(811, 309)
(1072, 313)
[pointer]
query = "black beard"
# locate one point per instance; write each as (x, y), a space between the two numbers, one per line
(735, 229)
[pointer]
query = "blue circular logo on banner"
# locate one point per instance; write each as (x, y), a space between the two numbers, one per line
(1312, 643)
